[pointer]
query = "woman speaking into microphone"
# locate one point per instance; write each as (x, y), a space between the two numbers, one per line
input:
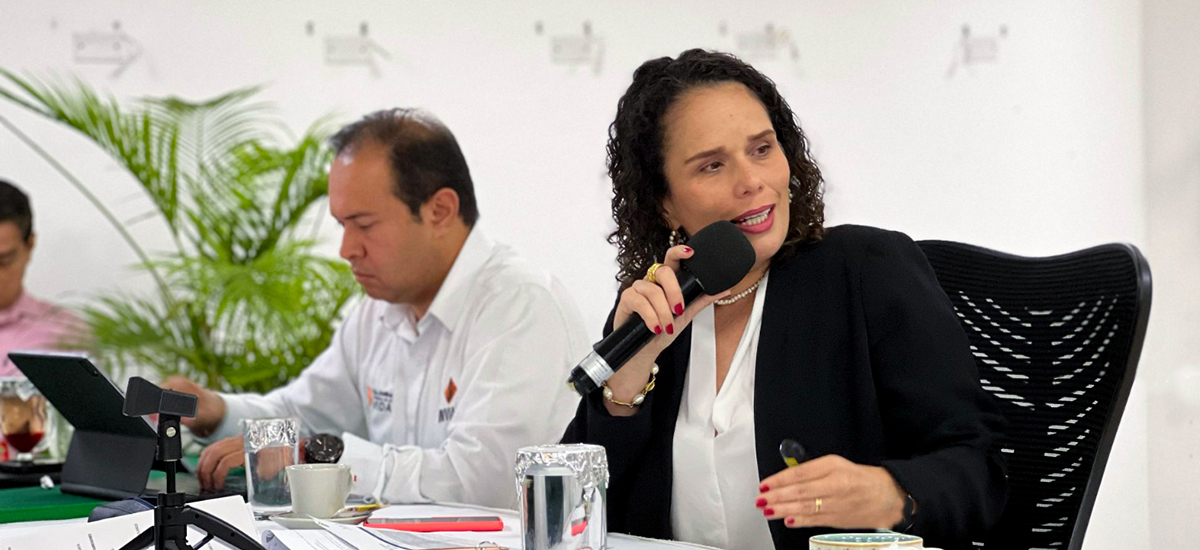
(838, 345)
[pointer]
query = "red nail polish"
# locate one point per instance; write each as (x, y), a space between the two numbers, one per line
(670, 328)
(768, 511)
(657, 329)
(686, 249)
(761, 502)
(790, 521)
(678, 309)
(763, 488)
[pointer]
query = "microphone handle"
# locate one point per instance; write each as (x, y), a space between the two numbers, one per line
(623, 343)
(610, 353)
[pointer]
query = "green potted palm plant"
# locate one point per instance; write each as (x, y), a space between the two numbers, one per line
(241, 302)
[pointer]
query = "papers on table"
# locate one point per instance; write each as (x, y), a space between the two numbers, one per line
(350, 537)
(347, 537)
(111, 534)
(303, 540)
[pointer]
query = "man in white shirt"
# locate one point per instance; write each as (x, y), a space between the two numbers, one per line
(456, 360)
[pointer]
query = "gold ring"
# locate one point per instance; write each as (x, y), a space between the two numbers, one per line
(650, 273)
(818, 503)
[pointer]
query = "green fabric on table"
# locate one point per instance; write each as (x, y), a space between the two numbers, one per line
(36, 504)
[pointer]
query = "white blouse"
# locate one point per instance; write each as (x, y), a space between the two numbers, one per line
(710, 506)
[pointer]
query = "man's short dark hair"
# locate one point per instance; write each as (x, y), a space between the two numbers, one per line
(14, 207)
(423, 154)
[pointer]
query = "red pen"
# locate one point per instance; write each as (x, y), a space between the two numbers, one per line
(434, 524)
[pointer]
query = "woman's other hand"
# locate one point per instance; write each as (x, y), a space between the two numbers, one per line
(850, 496)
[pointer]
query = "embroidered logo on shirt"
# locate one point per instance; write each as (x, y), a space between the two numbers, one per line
(379, 400)
(447, 413)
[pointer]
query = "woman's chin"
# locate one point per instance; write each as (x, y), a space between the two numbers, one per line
(766, 246)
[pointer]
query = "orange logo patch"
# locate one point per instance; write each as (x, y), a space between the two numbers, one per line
(451, 389)
(379, 400)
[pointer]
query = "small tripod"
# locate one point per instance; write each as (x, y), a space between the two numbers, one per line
(171, 516)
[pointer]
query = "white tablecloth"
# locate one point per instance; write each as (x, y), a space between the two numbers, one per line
(510, 536)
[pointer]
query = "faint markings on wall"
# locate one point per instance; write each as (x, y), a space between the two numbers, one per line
(352, 50)
(974, 48)
(576, 50)
(766, 43)
(113, 47)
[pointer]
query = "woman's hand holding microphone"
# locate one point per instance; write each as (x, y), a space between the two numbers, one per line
(658, 300)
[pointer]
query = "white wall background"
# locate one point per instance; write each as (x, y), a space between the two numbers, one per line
(1172, 360)
(1037, 152)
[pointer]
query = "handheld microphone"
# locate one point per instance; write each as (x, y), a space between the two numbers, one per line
(721, 257)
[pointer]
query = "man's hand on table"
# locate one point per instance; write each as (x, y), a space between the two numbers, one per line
(217, 459)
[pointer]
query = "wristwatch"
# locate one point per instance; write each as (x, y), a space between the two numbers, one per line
(323, 449)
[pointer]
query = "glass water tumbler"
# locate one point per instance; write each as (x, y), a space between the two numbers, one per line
(562, 492)
(271, 446)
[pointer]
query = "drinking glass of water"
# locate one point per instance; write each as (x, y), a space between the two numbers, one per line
(271, 446)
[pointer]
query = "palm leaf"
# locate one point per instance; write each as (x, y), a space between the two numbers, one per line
(244, 304)
(145, 148)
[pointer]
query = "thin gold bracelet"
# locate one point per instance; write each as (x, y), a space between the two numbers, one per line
(637, 399)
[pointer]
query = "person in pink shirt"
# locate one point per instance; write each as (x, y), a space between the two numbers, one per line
(26, 323)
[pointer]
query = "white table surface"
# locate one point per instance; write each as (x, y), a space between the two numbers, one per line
(616, 541)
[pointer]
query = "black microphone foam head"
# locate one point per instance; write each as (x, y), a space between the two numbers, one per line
(723, 256)
(143, 397)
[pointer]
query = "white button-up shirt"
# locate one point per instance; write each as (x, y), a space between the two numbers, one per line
(435, 409)
(710, 505)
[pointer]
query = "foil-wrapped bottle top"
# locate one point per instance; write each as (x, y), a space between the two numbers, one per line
(589, 463)
(269, 432)
(17, 386)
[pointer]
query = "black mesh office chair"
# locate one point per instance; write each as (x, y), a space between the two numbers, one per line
(1057, 341)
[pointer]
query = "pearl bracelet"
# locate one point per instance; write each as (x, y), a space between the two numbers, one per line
(637, 399)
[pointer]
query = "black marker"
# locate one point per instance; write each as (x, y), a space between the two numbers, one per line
(792, 452)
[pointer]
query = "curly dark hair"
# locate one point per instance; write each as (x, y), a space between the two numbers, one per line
(635, 155)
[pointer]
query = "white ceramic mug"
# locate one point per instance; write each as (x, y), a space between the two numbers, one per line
(848, 541)
(318, 490)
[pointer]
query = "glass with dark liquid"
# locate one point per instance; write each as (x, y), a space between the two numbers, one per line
(23, 416)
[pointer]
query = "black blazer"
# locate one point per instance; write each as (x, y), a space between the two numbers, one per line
(860, 355)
